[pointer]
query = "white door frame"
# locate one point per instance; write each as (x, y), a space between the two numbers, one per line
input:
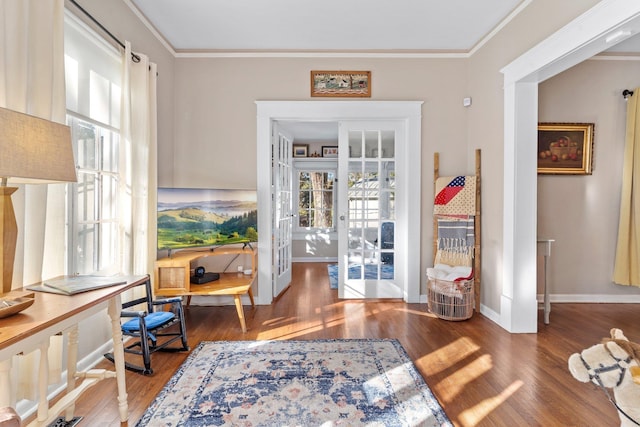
(579, 40)
(270, 111)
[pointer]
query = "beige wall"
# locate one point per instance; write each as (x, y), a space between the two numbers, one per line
(486, 124)
(216, 115)
(207, 123)
(582, 212)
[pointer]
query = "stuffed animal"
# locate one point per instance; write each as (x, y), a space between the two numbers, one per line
(614, 364)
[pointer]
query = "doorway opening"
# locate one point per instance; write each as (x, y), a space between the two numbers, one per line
(272, 112)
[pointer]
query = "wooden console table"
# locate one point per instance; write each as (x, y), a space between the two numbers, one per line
(50, 315)
(173, 277)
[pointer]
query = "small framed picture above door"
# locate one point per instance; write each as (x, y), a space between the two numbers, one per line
(330, 151)
(300, 150)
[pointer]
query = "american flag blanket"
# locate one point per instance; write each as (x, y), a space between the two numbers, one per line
(455, 196)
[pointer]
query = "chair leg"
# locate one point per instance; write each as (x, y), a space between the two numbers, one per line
(183, 329)
(144, 344)
(131, 366)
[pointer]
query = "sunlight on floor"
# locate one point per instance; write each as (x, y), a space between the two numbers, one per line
(291, 328)
(446, 357)
(456, 382)
(417, 312)
(464, 363)
(473, 416)
(326, 317)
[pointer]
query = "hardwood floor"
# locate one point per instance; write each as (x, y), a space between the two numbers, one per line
(482, 375)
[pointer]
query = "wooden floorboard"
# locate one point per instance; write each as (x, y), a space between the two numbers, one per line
(481, 374)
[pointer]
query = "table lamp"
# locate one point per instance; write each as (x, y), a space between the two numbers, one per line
(32, 150)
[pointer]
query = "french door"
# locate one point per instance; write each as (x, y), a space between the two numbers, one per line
(282, 210)
(407, 170)
(368, 224)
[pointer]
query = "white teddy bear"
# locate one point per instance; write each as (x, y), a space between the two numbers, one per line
(615, 364)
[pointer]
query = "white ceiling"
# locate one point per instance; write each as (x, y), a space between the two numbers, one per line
(333, 25)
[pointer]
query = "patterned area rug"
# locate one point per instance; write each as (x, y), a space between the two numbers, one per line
(370, 272)
(296, 383)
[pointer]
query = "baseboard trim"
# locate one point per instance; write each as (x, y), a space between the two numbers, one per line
(597, 298)
(490, 314)
(314, 259)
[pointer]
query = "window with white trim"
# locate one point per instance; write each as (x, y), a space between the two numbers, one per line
(316, 199)
(93, 71)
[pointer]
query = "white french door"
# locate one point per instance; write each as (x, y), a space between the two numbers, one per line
(282, 210)
(368, 224)
(407, 163)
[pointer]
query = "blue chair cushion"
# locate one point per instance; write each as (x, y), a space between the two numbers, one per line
(152, 320)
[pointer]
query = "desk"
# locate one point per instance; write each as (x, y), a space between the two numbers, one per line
(49, 315)
(546, 252)
(172, 277)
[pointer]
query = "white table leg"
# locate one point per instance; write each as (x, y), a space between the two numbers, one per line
(43, 382)
(115, 307)
(5, 383)
(72, 367)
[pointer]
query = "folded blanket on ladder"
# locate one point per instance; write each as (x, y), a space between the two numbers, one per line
(455, 196)
(456, 239)
(455, 232)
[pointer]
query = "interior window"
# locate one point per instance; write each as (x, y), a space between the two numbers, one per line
(316, 199)
(94, 201)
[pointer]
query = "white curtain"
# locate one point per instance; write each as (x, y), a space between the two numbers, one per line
(627, 265)
(138, 159)
(32, 81)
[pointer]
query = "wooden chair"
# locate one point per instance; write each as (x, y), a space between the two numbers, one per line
(152, 329)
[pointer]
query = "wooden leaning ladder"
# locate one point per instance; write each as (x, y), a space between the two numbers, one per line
(476, 224)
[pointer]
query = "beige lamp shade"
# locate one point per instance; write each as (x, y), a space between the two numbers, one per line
(35, 148)
(32, 150)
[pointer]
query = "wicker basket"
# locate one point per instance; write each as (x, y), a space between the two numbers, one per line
(451, 300)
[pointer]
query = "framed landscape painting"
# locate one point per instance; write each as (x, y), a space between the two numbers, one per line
(341, 83)
(565, 148)
(300, 150)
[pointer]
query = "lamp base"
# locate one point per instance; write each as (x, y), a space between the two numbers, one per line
(8, 236)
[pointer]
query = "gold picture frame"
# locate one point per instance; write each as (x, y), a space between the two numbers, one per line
(341, 84)
(565, 148)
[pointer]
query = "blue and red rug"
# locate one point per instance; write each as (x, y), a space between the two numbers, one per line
(296, 383)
